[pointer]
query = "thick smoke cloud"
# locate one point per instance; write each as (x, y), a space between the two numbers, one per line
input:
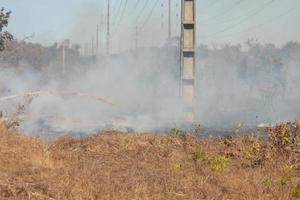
(143, 84)
(252, 86)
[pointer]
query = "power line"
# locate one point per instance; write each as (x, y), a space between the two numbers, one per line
(226, 21)
(122, 13)
(226, 11)
(213, 2)
(120, 18)
(143, 8)
(245, 19)
(137, 3)
(266, 22)
(150, 14)
(117, 12)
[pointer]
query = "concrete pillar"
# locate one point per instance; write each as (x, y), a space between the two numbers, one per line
(188, 45)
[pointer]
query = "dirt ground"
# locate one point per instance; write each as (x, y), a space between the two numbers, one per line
(114, 165)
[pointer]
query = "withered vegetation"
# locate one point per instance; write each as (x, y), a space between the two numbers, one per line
(114, 165)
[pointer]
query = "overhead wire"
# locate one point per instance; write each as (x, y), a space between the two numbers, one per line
(213, 2)
(150, 14)
(137, 3)
(244, 19)
(225, 11)
(272, 20)
(142, 10)
(115, 18)
(122, 13)
(226, 21)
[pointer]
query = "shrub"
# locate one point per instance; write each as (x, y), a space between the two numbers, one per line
(267, 182)
(296, 192)
(199, 154)
(177, 131)
(285, 135)
(218, 163)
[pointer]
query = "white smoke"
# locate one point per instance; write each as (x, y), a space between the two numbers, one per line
(232, 87)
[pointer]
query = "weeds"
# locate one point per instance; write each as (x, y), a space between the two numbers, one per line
(199, 154)
(285, 136)
(288, 168)
(238, 128)
(13, 124)
(218, 163)
(177, 131)
(253, 150)
(296, 192)
(284, 180)
(267, 182)
(197, 129)
(178, 166)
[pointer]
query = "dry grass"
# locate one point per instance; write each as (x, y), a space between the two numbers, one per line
(113, 165)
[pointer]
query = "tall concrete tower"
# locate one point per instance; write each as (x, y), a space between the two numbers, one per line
(188, 46)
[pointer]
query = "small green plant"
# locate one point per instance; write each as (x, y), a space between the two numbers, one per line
(197, 129)
(253, 150)
(267, 182)
(296, 192)
(177, 131)
(285, 135)
(218, 163)
(199, 154)
(288, 168)
(178, 166)
(283, 180)
(238, 128)
(256, 147)
(13, 124)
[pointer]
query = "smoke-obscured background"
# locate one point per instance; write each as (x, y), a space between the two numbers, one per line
(258, 85)
(247, 67)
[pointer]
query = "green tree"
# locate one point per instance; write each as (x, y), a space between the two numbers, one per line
(4, 35)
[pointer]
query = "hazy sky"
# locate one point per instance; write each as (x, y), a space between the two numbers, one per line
(218, 21)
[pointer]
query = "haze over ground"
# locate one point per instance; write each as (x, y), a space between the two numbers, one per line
(253, 85)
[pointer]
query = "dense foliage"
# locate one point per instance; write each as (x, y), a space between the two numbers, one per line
(4, 35)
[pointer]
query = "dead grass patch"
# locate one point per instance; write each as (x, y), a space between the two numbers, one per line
(114, 165)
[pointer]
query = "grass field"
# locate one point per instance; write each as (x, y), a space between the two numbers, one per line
(114, 165)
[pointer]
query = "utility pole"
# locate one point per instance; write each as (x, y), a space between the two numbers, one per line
(170, 25)
(136, 37)
(188, 45)
(108, 27)
(93, 47)
(63, 60)
(97, 40)
(64, 45)
(86, 49)
(101, 35)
